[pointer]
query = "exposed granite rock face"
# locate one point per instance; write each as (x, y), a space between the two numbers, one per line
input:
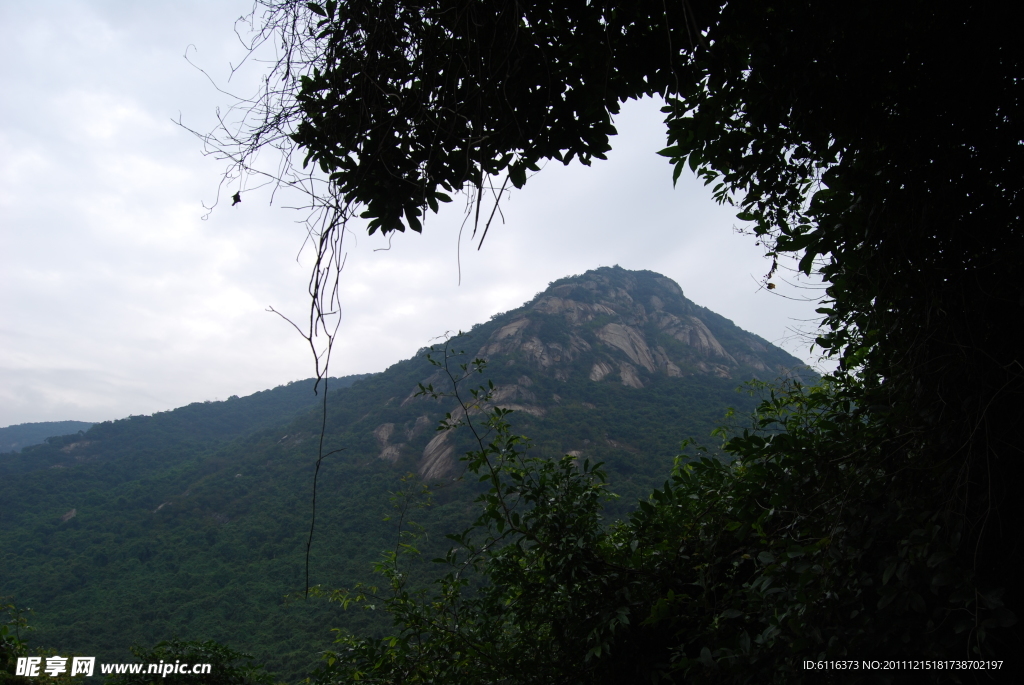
(600, 370)
(437, 457)
(692, 331)
(629, 340)
(627, 372)
(383, 434)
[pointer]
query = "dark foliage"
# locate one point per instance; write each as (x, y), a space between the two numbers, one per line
(410, 101)
(834, 127)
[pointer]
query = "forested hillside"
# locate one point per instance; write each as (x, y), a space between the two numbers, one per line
(192, 523)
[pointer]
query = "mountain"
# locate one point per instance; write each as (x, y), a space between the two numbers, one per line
(621, 353)
(635, 325)
(14, 438)
(194, 523)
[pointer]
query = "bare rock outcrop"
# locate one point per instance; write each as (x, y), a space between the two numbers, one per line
(693, 332)
(383, 433)
(575, 313)
(627, 372)
(600, 370)
(630, 341)
(436, 461)
(550, 354)
(389, 452)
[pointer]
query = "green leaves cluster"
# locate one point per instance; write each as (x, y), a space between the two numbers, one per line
(409, 101)
(12, 640)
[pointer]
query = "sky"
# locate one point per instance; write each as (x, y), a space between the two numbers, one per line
(121, 295)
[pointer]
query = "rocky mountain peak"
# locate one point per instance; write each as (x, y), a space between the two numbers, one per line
(614, 324)
(590, 343)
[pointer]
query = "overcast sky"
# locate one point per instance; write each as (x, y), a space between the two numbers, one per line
(118, 297)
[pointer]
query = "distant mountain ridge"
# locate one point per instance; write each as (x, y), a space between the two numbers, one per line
(198, 422)
(193, 522)
(14, 438)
